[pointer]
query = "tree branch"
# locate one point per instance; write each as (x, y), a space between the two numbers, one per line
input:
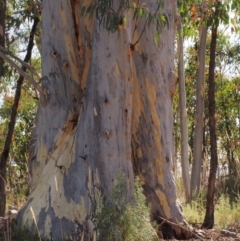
(8, 140)
(180, 226)
(23, 63)
(22, 73)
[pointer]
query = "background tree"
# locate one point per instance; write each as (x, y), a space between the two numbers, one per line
(194, 15)
(202, 15)
(8, 141)
(183, 116)
(2, 30)
(209, 218)
(13, 38)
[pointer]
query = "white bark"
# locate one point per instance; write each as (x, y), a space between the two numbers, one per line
(199, 115)
(183, 116)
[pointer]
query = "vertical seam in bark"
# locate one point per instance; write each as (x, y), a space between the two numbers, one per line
(75, 23)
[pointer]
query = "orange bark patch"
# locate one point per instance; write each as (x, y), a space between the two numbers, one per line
(164, 203)
(138, 109)
(152, 99)
(64, 18)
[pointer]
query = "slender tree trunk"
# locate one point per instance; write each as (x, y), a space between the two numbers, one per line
(183, 116)
(199, 115)
(191, 141)
(231, 163)
(209, 217)
(2, 30)
(8, 141)
(204, 168)
(109, 109)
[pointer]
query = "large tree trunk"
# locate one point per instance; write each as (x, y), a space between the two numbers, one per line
(108, 109)
(209, 217)
(199, 115)
(183, 116)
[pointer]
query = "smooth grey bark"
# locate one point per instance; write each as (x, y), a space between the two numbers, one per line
(199, 116)
(183, 116)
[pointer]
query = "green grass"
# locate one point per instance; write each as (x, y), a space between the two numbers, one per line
(18, 234)
(225, 215)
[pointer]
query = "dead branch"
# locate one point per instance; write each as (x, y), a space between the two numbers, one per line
(180, 226)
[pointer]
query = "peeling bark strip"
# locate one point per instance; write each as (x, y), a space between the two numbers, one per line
(8, 141)
(108, 110)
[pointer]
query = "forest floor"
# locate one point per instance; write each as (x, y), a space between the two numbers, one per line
(230, 234)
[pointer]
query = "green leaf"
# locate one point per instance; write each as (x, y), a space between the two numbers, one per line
(135, 14)
(83, 10)
(156, 38)
(124, 20)
(162, 17)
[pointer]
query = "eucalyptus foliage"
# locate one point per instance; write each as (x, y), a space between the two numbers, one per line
(111, 15)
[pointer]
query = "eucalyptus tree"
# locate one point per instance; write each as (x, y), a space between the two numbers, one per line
(209, 19)
(226, 74)
(183, 116)
(226, 57)
(220, 14)
(199, 116)
(108, 85)
(193, 15)
(202, 15)
(209, 217)
(182, 102)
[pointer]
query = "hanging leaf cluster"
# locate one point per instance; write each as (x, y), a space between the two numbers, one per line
(111, 16)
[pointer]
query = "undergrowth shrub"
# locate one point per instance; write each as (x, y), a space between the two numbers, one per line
(227, 213)
(120, 219)
(194, 212)
(16, 233)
